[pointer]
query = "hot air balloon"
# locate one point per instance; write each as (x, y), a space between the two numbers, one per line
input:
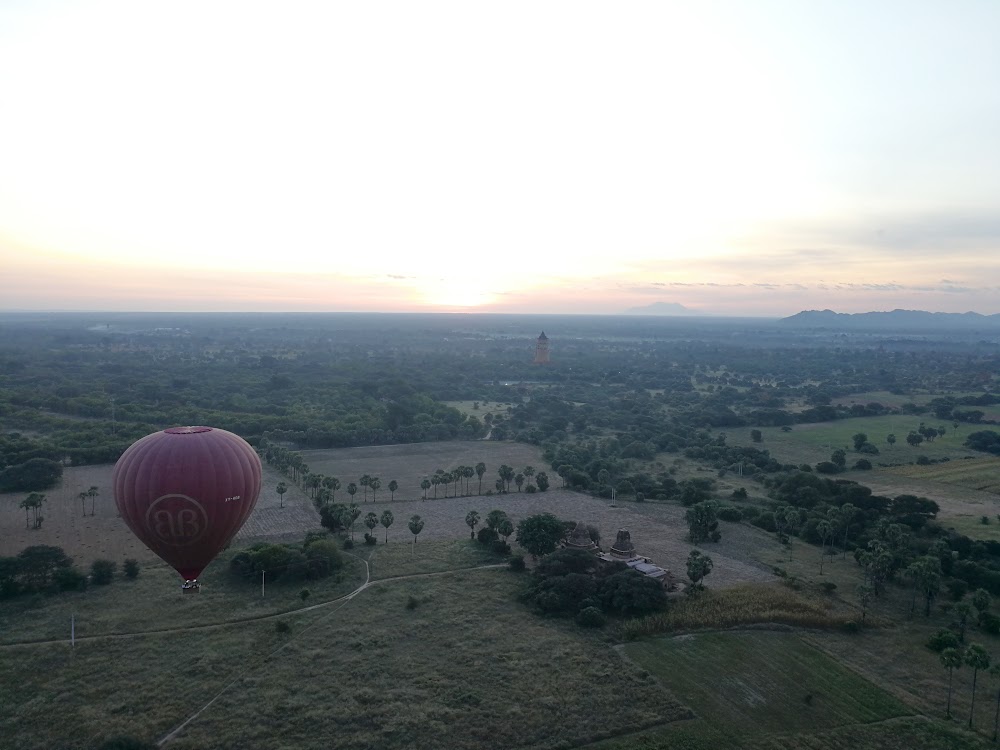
(185, 492)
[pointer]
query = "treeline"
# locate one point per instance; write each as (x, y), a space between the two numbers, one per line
(46, 569)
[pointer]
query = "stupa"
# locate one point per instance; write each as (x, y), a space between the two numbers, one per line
(579, 538)
(623, 549)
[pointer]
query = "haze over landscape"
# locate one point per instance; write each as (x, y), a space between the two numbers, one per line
(734, 158)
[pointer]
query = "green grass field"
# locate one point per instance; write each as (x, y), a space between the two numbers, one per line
(811, 443)
(466, 667)
(977, 473)
(770, 682)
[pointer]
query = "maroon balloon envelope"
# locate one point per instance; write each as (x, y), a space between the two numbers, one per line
(186, 491)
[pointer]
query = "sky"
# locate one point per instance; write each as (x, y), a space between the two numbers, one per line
(738, 158)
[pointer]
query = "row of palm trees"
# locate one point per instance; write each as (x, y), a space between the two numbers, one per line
(977, 658)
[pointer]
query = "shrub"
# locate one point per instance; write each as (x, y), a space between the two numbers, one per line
(102, 572)
(486, 536)
(70, 579)
(323, 558)
(590, 617)
(348, 543)
(131, 568)
(531, 488)
(517, 563)
(851, 626)
(765, 521)
(985, 520)
(989, 623)
(125, 743)
(500, 547)
(370, 539)
(412, 602)
(282, 627)
(923, 461)
(730, 513)
(304, 594)
(631, 593)
(862, 464)
(957, 588)
(827, 467)
(740, 493)
(941, 640)
(828, 587)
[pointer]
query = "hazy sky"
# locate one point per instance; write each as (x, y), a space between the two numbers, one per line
(746, 157)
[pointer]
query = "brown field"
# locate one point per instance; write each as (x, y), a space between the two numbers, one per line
(105, 535)
(409, 463)
(658, 530)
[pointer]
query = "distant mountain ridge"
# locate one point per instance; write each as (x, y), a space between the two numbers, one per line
(891, 319)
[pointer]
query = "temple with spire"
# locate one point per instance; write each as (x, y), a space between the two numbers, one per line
(542, 350)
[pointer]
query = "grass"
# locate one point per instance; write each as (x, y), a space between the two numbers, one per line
(811, 443)
(389, 560)
(154, 601)
(740, 605)
(754, 685)
(976, 473)
(466, 667)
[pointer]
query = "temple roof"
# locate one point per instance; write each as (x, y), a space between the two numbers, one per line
(543, 337)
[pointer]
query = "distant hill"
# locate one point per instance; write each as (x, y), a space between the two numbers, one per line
(662, 308)
(891, 319)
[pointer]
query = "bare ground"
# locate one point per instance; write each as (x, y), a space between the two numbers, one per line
(657, 530)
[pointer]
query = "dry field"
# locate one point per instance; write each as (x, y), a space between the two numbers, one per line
(658, 531)
(409, 463)
(105, 535)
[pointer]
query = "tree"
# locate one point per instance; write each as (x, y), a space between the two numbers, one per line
(926, 575)
(351, 515)
(539, 534)
(978, 658)
(698, 566)
(371, 521)
(914, 439)
(352, 489)
(542, 480)
(756, 436)
(281, 489)
(505, 528)
(34, 474)
(416, 525)
(890, 439)
(839, 458)
(480, 471)
(519, 481)
(995, 674)
(472, 520)
(102, 572)
(703, 523)
(506, 475)
(865, 594)
(376, 484)
(981, 601)
(386, 520)
(846, 515)
(425, 484)
(494, 517)
(435, 481)
(332, 484)
(393, 486)
(951, 660)
(859, 439)
(825, 530)
(365, 482)
(962, 610)
(38, 565)
(83, 502)
(33, 502)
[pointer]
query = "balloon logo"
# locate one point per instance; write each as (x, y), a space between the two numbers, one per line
(185, 492)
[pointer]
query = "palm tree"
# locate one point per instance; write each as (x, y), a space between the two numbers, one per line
(416, 525)
(371, 521)
(332, 484)
(519, 480)
(352, 514)
(375, 483)
(83, 501)
(469, 473)
(352, 489)
(995, 674)
(951, 660)
(435, 481)
(386, 520)
(825, 530)
(978, 658)
(92, 493)
(365, 482)
(393, 486)
(480, 471)
(529, 471)
(281, 489)
(34, 503)
(425, 484)
(472, 520)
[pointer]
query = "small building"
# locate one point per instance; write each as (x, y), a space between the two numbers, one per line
(579, 538)
(542, 350)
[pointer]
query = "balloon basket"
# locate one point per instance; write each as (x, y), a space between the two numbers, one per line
(191, 587)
